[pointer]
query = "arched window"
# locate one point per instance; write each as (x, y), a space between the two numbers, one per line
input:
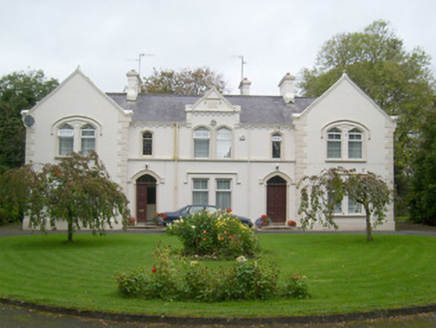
(334, 143)
(147, 143)
(201, 143)
(223, 143)
(276, 145)
(66, 139)
(355, 144)
(87, 134)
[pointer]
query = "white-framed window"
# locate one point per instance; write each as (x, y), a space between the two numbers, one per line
(334, 143)
(276, 141)
(87, 135)
(77, 136)
(66, 139)
(223, 193)
(355, 144)
(201, 143)
(223, 143)
(346, 141)
(200, 191)
(147, 143)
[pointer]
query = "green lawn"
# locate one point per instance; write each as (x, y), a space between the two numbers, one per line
(346, 274)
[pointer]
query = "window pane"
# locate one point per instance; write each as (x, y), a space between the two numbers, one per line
(201, 143)
(66, 146)
(334, 144)
(201, 148)
(66, 139)
(224, 143)
(333, 149)
(355, 144)
(88, 139)
(200, 193)
(224, 199)
(200, 184)
(276, 145)
(200, 197)
(147, 143)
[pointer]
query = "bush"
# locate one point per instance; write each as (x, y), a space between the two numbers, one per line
(191, 281)
(218, 234)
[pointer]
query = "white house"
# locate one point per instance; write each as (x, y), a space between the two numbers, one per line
(242, 151)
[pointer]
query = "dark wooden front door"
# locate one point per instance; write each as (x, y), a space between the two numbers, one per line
(145, 198)
(276, 199)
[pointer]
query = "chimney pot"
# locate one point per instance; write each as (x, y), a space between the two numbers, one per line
(244, 86)
(287, 86)
(134, 85)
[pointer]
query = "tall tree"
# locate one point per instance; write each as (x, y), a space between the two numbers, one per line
(321, 193)
(184, 82)
(78, 191)
(399, 81)
(423, 191)
(18, 91)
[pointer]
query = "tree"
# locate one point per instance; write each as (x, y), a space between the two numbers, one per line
(320, 194)
(399, 81)
(184, 82)
(423, 191)
(18, 91)
(78, 190)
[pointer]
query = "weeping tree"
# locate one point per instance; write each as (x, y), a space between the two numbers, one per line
(78, 191)
(321, 193)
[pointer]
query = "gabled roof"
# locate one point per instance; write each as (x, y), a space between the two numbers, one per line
(171, 107)
(77, 73)
(345, 79)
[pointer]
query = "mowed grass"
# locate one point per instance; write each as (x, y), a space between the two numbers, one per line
(346, 274)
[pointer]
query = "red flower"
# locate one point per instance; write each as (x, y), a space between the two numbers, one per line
(204, 231)
(296, 276)
(230, 237)
(154, 270)
(204, 239)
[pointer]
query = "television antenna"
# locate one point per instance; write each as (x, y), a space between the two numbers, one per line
(139, 61)
(243, 62)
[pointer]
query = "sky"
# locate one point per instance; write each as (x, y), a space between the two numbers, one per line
(106, 37)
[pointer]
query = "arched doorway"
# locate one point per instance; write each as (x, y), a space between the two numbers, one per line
(276, 199)
(145, 198)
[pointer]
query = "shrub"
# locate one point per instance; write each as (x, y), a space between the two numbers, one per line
(191, 281)
(218, 234)
(296, 287)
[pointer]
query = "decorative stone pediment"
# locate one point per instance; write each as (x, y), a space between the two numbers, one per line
(213, 102)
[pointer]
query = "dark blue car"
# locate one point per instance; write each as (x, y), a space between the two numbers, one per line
(168, 217)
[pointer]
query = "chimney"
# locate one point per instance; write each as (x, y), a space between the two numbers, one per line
(244, 86)
(134, 85)
(286, 86)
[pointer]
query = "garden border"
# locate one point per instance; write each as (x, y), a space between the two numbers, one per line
(173, 320)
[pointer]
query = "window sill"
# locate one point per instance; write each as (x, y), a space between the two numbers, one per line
(339, 160)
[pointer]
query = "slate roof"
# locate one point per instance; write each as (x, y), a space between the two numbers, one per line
(171, 107)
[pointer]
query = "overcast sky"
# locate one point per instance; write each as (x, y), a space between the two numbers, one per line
(104, 37)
